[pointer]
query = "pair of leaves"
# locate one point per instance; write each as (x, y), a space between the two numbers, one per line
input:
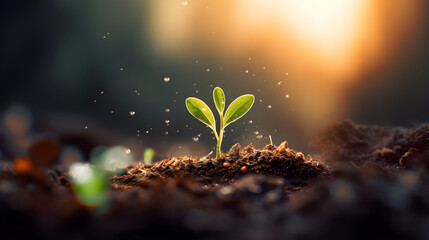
(236, 109)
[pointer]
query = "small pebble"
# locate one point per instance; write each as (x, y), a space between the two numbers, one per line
(282, 147)
(243, 169)
(226, 164)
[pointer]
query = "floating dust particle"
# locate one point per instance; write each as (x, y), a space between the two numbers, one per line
(95, 100)
(246, 71)
(207, 69)
(104, 37)
(260, 100)
(127, 151)
(167, 110)
(269, 106)
(250, 59)
(121, 69)
(167, 121)
(101, 92)
(147, 132)
(195, 84)
(195, 139)
(256, 132)
(86, 127)
(166, 79)
(196, 91)
(287, 96)
(287, 74)
(259, 136)
(166, 133)
(279, 83)
(196, 61)
(250, 121)
(132, 113)
(111, 111)
(177, 92)
(185, 3)
(264, 68)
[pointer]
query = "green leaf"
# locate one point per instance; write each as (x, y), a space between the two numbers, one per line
(238, 108)
(219, 99)
(201, 111)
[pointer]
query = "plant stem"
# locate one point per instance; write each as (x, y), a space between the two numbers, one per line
(219, 139)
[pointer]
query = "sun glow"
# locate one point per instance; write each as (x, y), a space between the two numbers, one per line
(329, 28)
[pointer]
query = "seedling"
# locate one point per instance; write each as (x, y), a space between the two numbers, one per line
(236, 110)
(148, 155)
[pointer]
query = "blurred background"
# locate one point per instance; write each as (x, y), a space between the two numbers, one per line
(108, 72)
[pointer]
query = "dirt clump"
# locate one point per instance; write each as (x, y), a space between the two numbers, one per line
(293, 167)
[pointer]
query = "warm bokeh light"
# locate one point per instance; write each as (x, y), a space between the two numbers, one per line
(328, 47)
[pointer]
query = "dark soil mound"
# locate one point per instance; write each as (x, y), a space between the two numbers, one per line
(391, 148)
(293, 167)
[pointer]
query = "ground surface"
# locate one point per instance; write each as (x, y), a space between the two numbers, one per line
(365, 182)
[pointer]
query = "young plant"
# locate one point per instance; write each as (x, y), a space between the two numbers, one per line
(236, 110)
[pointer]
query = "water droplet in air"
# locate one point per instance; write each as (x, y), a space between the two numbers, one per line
(132, 113)
(269, 106)
(167, 110)
(166, 79)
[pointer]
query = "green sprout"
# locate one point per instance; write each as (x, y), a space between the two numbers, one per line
(236, 110)
(148, 155)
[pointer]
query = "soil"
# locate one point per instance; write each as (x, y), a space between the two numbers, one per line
(365, 182)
